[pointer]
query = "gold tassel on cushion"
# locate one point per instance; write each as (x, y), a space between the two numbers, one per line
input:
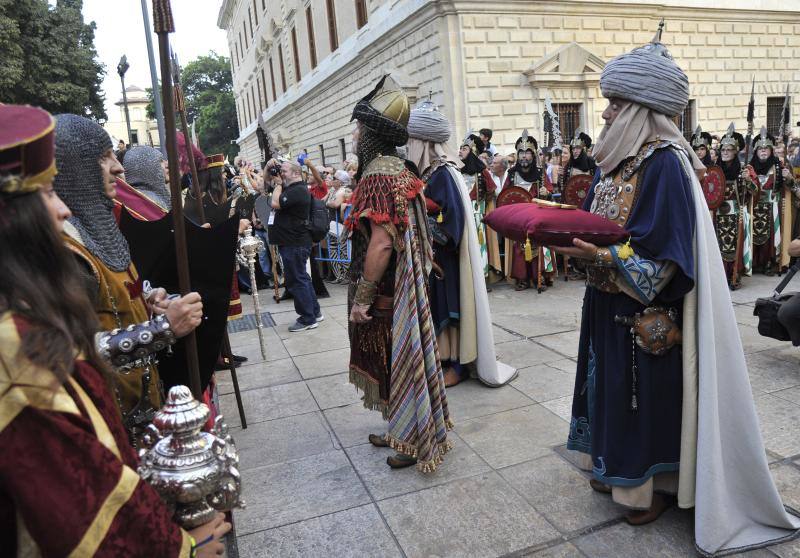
(480, 234)
(626, 251)
(440, 218)
(528, 250)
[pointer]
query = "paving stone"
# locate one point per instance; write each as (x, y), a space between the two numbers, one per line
(326, 326)
(333, 336)
(543, 324)
(288, 492)
(384, 482)
(544, 382)
(787, 480)
(327, 363)
(502, 336)
(752, 341)
(744, 315)
(792, 395)
(778, 419)
(514, 436)
(564, 550)
(672, 535)
(562, 407)
(769, 374)
(285, 439)
(788, 353)
(334, 391)
(520, 354)
(353, 423)
(787, 550)
(561, 494)
(564, 343)
(479, 516)
(270, 403)
(472, 399)
(356, 533)
(252, 350)
(258, 375)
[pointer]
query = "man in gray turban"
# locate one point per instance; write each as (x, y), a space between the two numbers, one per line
(459, 303)
(86, 181)
(146, 170)
(662, 403)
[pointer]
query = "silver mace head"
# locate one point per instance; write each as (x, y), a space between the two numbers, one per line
(250, 245)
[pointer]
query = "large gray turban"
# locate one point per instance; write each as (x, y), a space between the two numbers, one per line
(80, 143)
(143, 171)
(428, 124)
(649, 76)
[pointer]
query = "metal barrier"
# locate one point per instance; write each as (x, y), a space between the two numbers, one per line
(336, 247)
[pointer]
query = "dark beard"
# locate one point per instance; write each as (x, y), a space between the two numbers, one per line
(762, 167)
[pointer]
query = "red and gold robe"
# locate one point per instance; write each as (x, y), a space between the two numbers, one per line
(68, 481)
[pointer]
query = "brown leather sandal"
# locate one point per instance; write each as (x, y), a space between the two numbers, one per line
(378, 441)
(660, 504)
(599, 486)
(400, 461)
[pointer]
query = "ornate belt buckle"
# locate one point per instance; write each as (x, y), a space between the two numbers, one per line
(655, 330)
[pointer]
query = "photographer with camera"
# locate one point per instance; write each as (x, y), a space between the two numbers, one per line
(288, 230)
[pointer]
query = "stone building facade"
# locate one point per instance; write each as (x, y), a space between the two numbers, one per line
(302, 64)
(144, 131)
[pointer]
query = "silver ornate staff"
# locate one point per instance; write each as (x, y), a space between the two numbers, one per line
(249, 247)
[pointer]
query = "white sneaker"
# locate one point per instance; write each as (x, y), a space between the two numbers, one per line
(320, 318)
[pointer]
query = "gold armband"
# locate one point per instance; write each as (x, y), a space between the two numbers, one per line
(365, 292)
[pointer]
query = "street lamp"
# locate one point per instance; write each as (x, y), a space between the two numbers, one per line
(122, 67)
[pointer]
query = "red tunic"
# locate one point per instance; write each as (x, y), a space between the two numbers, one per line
(68, 481)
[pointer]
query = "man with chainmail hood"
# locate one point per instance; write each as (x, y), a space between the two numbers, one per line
(662, 401)
(459, 303)
(86, 182)
(393, 355)
(146, 171)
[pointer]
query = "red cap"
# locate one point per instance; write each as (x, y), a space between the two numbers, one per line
(27, 145)
(216, 160)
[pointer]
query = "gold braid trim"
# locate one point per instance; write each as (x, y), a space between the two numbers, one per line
(372, 395)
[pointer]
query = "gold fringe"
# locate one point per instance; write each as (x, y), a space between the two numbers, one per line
(449, 424)
(372, 395)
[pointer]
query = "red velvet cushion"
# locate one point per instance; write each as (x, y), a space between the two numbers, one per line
(553, 226)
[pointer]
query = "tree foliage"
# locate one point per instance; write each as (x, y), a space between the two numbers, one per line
(48, 57)
(208, 87)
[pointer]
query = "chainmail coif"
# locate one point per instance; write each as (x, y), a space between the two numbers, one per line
(143, 171)
(80, 143)
(370, 145)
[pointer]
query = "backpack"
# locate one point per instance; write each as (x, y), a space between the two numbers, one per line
(318, 219)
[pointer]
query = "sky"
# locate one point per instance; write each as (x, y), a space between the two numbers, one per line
(120, 30)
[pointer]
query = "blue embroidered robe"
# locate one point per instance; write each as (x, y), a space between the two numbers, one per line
(628, 447)
(445, 307)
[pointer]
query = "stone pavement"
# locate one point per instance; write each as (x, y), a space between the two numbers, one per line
(315, 486)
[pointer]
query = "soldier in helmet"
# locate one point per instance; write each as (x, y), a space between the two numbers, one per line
(733, 222)
(701, 143)
(772, 211)
(393, 355)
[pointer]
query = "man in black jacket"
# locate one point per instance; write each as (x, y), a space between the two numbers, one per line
(288, 230)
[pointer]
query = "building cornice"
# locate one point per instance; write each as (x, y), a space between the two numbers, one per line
(408, 14)
(225, 13)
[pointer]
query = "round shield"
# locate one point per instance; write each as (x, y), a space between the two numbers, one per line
(513, 194)
(577, 189)
(714, 187)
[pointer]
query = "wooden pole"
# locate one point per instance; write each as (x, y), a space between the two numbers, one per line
(164, 25)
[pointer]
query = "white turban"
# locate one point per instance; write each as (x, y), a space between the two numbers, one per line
(428, 124)
(648, 76)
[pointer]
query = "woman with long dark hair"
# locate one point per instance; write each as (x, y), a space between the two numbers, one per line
(68, 481)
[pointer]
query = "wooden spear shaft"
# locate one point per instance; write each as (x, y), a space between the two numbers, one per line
(164, 25)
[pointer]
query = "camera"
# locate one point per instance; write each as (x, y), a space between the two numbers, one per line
(274, 170)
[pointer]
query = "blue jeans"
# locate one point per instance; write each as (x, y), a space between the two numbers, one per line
(263, 257)
(298, 282)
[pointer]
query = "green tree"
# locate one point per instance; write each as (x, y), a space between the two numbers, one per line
(208, 87)
(48, 57)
